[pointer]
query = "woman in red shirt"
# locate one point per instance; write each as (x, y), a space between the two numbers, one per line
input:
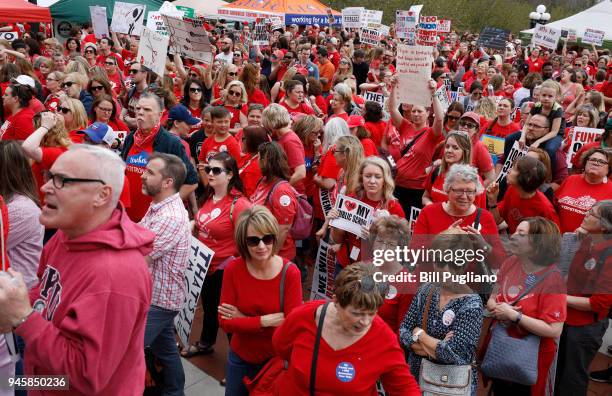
(114, 75)
(589, 288)
(535, 246)
(340, 102)
(374, 123)
(235, 100)
(250, 173)
(374, 187)
(75, 117)
(214, 226)
(104, 110)
(275, 193)
(250, 79)
(294, 99)
(356, 124)
(193, 99)
(309, 128)
(252, 306)
(502, 125)
(457, 150)
(353, 338)
(578, 193)
(54, 89)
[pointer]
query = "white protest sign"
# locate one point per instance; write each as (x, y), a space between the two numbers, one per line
(444, 25)
(370, 96)
(199, 260)
(579, 137)
(170, 9)
(443, 98)
(370, 36)
(128, 18)
(99, 22)
(371, 16)
(9, 36)
(354, 214)
(152, 51)
(515, 153)
(276, 23)
(326, 200)
(382, 29)
(406, 23)
(189, 38)
(546, 36)
(323, 274)
(572, 35)
(427, 32)
(413, 73)
(593, 36)
(352, 17)
(155, 22)
(414, 214)
(261, 34)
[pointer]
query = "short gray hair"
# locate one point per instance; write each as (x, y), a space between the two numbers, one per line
(334, 129)
(605, 213)
(151, 95)
(464, 173)
(110, 167)
(275, 117)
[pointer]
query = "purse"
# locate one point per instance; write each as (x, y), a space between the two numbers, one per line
(443, 379)
(513, 359)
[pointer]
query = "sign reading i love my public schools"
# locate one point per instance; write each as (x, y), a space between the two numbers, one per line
(353, 215)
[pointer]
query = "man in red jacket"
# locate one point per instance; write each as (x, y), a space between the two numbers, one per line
(86, 318)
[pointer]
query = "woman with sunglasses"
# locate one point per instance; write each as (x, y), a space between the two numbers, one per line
(75, 117)
(250, 296)
(54, 88)
(193, 99)
(105, 110)
(99, 85)
(275, 193)
(194, 72)
(452, 116)
(357, 347)
(250, 172)
(114, 74)
(235, 101)
(90, 52)
(214, 226)
(74, 86)
(226, 74)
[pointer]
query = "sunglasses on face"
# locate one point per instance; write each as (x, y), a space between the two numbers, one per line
(133, 71)
(97, 88)
(64, 110)
(193, 75)
(195, 90)
(235, 93)
(237, 55)
(67, 84)
(233, 74)
(468, 125)
(216, 170)
(108, 63)
(253, 241)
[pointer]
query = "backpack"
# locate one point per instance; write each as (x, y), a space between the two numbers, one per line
(302, 222)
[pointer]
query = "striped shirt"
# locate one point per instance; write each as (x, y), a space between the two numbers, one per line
(169, 221)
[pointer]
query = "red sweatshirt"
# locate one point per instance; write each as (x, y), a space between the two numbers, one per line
(255, 298)
(92, 303)
(353, 370)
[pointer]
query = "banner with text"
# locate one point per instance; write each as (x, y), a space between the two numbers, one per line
(414, 214)
(406, 23)
(152, 51)
(99, 21)
(379, 98)
(261, 35)
(443, 97)
(515, 153)
(371, 16)
(189, 39)
(128, 18)
(427, 32)
(199, 260)
(370, 36)
(352, 17)
(413, 73)
(494, 144)
(579, 137)
(354, 215)
(494, 38)
(546, 36)
(593, 36)
(323, 275)
(444, 25)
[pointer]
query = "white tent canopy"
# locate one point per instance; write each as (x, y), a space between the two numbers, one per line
(204, 8)
(597, 17)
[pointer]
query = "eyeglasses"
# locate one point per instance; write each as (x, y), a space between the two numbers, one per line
(97, 88)
(59, 181)
(235, 93)
(475, 93)
(64, 110)
(195, 90)
(386, 244)
(468, 125)
(110, 63)
(67, 84)
(133, 71)
(237, 55)
(469, 193)
(234, 74)
(216, 170)
(597, 161)
(253, 241)
(532, 125)
(193, 75)
(105, 109)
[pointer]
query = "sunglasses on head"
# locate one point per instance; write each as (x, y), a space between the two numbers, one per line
(195, 90)
(97, 88)
(216, 170)
(67, 84)
(253, 241)
(64, 110)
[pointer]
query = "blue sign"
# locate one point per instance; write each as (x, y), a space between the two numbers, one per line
(298, 19)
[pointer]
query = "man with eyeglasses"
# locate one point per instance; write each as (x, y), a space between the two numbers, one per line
(151, 137)
(226, 55)
(139, 76)
(86, 318)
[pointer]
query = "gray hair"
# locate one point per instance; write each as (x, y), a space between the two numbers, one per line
(275, 117)
(463, 173)
(345, 91)
(605, 213)
(151, 95)
(110, 167)
(334, 129)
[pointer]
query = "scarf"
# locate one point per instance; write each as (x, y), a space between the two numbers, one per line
(141, 140)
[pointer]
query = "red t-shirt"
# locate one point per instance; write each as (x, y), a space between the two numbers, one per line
(369, 148)
(18, 126)
(344, 115)
(76, 137)
(575, 197)
(259, 97)
(502, 131)
(433, 219)
(606, 90)
(321, 104)
(254, 298)
(5, 225)
(547, 302)
(136, 163)
(514, 209)
(49, 155)
(302, 108)
(211, 146)
(411, 167)
(250, 173)
(437, 193)
(481, 158)
(328, 169)
(116, 82)
(215, 230)
(535, 66)
(283, 205)
(397, 301)
(349, 371)
(294, 148)
(377, 131)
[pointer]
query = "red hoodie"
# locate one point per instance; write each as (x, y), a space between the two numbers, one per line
(92, 304)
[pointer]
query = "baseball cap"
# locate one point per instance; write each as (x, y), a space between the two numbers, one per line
(278, 54)
(181, 113)
(470, 115)
(332, 40)
(99, 132)
(355, 121)
(24, 80)
(94, 46)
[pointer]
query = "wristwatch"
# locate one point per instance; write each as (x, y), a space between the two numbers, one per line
(415, 336)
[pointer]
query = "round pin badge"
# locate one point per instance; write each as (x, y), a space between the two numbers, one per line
(392, 293)
(513, 291)
(448, 317)
(215, 213)
(345, 372)
(285, 200)
(590, 264)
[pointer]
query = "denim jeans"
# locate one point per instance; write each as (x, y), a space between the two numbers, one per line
(235, 371)
(159, 335)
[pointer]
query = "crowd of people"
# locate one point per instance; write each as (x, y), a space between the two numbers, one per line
(107, 172)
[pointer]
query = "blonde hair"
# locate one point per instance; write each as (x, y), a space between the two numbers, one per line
(79, 115)
(79, 78)
(354, 157)
(244, 98)
(262, 221)
(486, 107)
(388, 183)
(78, 65)
(275, 117)
(56, 137)
(555, 86)
(307, 125)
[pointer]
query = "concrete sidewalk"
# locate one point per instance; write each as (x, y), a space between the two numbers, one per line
(198, 383)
